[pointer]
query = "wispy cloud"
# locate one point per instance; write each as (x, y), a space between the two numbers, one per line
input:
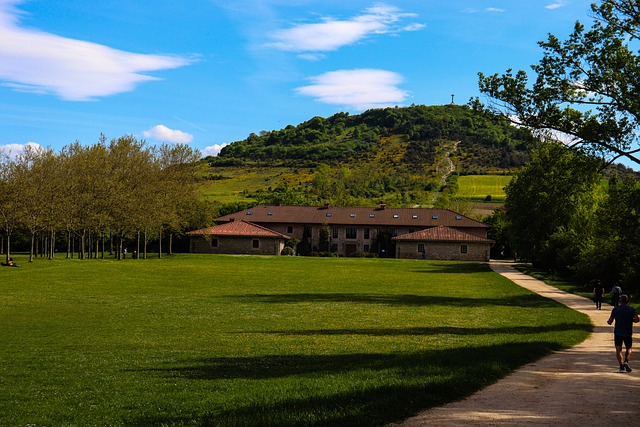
(359, 88)
(332, 34)
(555, 5)
(495, 10)
(163, 133)
(76, 70)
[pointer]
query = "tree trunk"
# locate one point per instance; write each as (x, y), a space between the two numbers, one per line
(160, 245)
(145, 244)
(33, 244)
(8, 252)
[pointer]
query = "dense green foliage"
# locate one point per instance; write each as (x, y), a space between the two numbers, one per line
(214, 340)
(559, 216)
(106, 192)
(401, 156)
(585, 87)
(422, 128)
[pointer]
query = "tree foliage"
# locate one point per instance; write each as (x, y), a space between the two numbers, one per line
(545, 198)
(89, 194)
(423, 128)
(587, 87)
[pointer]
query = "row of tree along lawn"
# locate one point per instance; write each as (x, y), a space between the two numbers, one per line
(107, 192)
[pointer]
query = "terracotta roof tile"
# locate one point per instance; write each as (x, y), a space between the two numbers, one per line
(366, 216)
(238, 228)
(442, 234)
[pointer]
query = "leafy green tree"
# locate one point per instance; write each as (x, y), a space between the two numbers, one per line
(544, 198)
(586, 87)
(614, 253)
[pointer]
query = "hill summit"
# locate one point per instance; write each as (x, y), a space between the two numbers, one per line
(402, 155)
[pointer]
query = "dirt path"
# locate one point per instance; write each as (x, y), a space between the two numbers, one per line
(574, 387)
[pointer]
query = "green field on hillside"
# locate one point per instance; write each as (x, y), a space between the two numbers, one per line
(245, 341)
(478, 187)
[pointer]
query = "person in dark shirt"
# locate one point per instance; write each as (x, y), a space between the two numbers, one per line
(625, 316)
(598, 294)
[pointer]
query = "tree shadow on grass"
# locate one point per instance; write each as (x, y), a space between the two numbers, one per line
(448, 267)
(530, 301)
(391, 387)
(430, 332)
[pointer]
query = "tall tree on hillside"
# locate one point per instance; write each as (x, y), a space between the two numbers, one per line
(587, 87)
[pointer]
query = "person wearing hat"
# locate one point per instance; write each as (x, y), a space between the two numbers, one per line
(625, 316)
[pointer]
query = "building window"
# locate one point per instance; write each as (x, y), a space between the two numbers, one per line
(463, 249)
(334, 232)
(372, 215)
(367, 234)
(366, 248)
(352, 232)
(290, 229)
(421, 248)
(329, 214)
(214, 243)
(396, 215)
(458, 217)
(256, 244)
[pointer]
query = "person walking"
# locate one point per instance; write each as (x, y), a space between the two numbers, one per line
(598, 294)
(616, 291)
(625, 316)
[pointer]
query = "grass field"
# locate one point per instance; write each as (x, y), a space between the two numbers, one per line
(478, 187)
(245, 341)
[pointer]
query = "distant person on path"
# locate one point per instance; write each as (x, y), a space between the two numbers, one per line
(625, 316)
(598, 294)
(616, 291)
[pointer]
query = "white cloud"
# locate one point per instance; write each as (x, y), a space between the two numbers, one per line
(163, 133)
(495, 10)
(213, 150)
(331, 34)
(359, 88)
(14, 150)
(76, 70)
(555, 5)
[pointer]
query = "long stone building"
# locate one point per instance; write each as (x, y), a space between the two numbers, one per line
(418, 233)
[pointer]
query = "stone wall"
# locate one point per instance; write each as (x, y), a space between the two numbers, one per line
(443, 251)
(237, 245)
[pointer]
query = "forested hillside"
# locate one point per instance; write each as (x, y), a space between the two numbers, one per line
(404, 156)
(416, 132)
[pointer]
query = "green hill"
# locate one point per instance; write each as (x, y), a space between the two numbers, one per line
(403, 156)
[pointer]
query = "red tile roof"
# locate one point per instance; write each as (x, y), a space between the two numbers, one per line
(388, 217)
(442, 234)
(238, 229)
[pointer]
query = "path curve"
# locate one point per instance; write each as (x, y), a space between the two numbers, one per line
(573, 387)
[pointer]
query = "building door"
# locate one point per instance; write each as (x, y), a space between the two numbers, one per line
(350, 248)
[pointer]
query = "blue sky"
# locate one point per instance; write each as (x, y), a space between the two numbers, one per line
(209, 72)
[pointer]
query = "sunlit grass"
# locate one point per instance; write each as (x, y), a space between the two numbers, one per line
(478, 187)
(224, 340)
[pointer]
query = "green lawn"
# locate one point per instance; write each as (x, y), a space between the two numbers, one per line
(244, 341)
(478, 187)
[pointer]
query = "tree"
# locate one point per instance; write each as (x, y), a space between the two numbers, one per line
(587, 87)
(545, 198)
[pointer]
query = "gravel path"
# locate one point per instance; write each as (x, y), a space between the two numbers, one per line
(574, 387)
